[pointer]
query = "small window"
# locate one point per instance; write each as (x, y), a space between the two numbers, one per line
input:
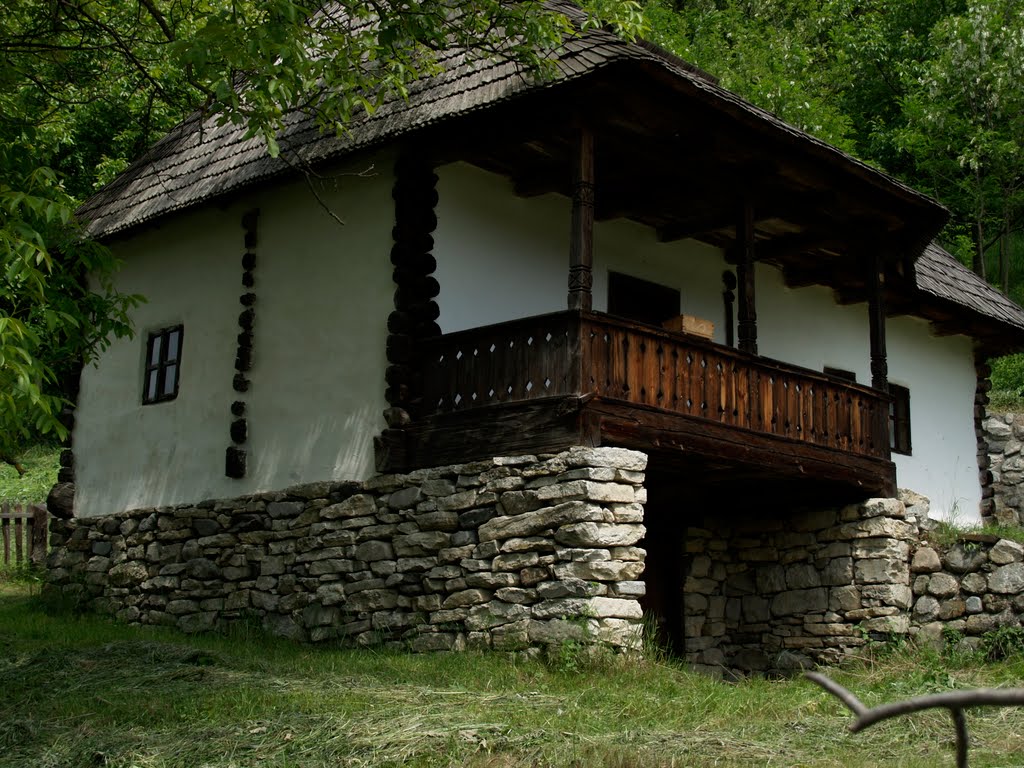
(899, 419)
(839, 373)
(641, 300)
(163, 365)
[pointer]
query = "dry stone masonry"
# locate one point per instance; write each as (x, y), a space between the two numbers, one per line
(505, 554)
(781, 594)
(970, 588)
(533, 551)
(1004, 434)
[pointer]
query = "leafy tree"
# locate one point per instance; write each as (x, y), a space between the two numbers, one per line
(85, 85)
(964, 117)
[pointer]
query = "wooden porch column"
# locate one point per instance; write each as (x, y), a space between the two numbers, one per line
(746, 312)
(581, 236)
(876, 320)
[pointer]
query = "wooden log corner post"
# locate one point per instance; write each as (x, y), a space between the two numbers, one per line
(983, 371)
(415, 315)
(581, 235)
(236, 455)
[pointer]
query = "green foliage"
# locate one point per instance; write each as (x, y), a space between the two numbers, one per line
(1003, 643)
(85, 87)
(964, 112)
(1008, 373)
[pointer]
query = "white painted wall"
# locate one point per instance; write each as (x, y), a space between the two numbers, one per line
(324, 292)
(501, 257)
(939, 371)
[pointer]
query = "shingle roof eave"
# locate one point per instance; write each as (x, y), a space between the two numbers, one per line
(200, 161)
(939, 274)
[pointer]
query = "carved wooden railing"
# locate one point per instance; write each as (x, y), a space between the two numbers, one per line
(570, 353)
(519, 360)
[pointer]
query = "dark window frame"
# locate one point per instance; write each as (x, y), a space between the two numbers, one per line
(164, 367)
(899, 420)
(640, 300)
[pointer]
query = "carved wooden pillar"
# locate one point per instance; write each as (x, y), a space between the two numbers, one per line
(876, 320)
(581, 237)
(728, 299)
(747, 313)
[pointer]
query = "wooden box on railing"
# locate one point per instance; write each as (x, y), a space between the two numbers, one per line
(695, 326)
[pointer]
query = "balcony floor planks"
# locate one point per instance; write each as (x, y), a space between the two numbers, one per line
(554, 424)
(652, 431)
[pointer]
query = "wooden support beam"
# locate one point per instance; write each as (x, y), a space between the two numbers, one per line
(747, 313)
(581, 236)
(876, 318)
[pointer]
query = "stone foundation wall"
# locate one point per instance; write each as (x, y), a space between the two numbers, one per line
(784, 592)
(1004, 434)
(499, 554)
(972, 587)
(529, 551)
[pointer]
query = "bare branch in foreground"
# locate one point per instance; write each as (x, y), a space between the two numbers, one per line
(955, 701)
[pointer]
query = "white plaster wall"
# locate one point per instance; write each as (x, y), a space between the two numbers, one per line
(939, 371)
(317, 383)
(806, 327)
(502, 257)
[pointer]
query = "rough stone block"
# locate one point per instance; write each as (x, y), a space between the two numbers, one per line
(516, 561)
(370, 551)
(799, 602)
(1005, 552)
(963, 559)
(943, 585)
(599, 534)
(926, 560)
(493, 614)
(606, 570)
(532, 523)
(359, 506)
(882, 571)
(1007, 579)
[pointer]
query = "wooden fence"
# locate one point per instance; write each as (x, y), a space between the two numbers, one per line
(23, 528)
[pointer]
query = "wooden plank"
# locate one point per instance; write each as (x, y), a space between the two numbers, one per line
(5, 527)
(19, 539)
(40, 520)
(510, 429)
(641, 428)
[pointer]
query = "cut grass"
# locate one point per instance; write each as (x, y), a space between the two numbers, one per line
(82, 691)
(41, 463)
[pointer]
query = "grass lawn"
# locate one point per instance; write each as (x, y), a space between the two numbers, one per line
(82, 691)
(40, 463)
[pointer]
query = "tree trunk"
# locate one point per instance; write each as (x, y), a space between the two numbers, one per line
(1004, 260)
(979, 249)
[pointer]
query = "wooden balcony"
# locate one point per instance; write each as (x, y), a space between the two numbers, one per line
(544, 383)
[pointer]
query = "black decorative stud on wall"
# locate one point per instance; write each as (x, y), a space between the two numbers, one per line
(236, 455)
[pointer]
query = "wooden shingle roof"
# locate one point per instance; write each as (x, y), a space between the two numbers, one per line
(937, 273)
(200, 161)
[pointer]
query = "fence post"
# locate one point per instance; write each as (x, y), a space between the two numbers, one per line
(40, 535)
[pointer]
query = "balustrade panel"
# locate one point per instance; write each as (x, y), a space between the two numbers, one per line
(575, 354)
